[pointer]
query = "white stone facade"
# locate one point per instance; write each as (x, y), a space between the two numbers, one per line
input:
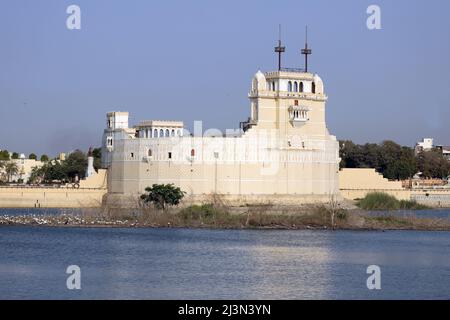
(284, 149)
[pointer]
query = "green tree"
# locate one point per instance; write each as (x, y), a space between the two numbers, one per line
(15, 156)
(32, 156)
(37, 175)
(432, 164)
(75, 165)
(44, 158)
(11, 169)
(97, 153)
(163, 195)
(55, 171)
(4, 155)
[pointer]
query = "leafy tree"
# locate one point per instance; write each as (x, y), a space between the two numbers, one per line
(11, 169)
(36, 175)
(55, 171)
(44, 158)
(97, 153)
(4, 155)
(15, 156)
(432, 164)
(75, 165)
(32, 156)
(389, 158)
(162, 195)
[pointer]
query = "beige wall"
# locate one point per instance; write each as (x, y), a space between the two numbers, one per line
(50, 198)
(89, 195)
(357, 183)
(366, 179)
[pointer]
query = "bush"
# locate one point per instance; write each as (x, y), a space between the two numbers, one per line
(162, 195)
(196, 212)
(383, 201)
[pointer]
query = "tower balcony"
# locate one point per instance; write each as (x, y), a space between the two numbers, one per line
(298, 115)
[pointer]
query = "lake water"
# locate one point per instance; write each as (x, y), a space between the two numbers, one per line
(121, 263)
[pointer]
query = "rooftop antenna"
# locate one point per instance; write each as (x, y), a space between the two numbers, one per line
(306, 51)
(280, 49)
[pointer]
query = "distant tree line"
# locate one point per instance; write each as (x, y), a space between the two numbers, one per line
(394, 161)
(5, 156)
(72, 168)
(53, 170)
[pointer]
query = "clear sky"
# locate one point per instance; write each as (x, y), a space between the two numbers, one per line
(194, 60)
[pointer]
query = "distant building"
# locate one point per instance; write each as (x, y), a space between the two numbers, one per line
(25, 167)
(425, 145)
(445, 151)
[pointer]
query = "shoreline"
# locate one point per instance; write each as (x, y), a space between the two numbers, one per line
(205, 217)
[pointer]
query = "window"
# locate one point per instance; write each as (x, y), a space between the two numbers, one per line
(295, 87)
(167, 133)
(155, 133)
(179, 133)
(295, 102)
(132, 155)
(313, 87)
(192, 153)
(301, 87)
(161, 133)
(173, 133)
(170, 155)
(149, 153)
(290, 86)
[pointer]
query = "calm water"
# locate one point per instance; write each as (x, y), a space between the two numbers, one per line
(224, 264)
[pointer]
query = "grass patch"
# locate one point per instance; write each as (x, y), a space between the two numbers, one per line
(383, 201)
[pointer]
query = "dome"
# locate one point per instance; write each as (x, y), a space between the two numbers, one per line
(259, 81)
(319, 84)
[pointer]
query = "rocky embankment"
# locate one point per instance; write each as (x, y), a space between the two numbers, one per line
(60, 220)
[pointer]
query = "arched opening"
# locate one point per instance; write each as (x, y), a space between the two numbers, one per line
(290, 86)
(295, 87)
(179, 133)
(155, 133)
(161, 133)
(301, 87)
(173, 133)
(167, 133)
(150, 153)
(193, 153)
(313, 87)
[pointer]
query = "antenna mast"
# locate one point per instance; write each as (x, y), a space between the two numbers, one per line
(280, 49)
(306, 51)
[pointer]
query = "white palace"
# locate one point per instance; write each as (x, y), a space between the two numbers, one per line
(283, 153)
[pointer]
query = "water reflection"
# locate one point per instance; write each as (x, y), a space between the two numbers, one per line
(221, 264)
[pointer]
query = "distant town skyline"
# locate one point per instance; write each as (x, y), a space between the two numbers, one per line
(190, 61)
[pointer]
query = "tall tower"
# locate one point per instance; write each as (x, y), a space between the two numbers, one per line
(290, 101)
(90, 171)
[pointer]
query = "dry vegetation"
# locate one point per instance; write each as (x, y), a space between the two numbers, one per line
(218, 215)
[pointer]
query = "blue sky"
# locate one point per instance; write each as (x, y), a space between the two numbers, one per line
(194, 60)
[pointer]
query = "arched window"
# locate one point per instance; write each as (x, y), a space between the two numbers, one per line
(295, 87)
(179, 133)
(149, 153)
(161, 133)
(172, 133)
(193, 153)
(313, 87)
(290, 86)
(155, 133)
(301, 86)
(167, 133)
